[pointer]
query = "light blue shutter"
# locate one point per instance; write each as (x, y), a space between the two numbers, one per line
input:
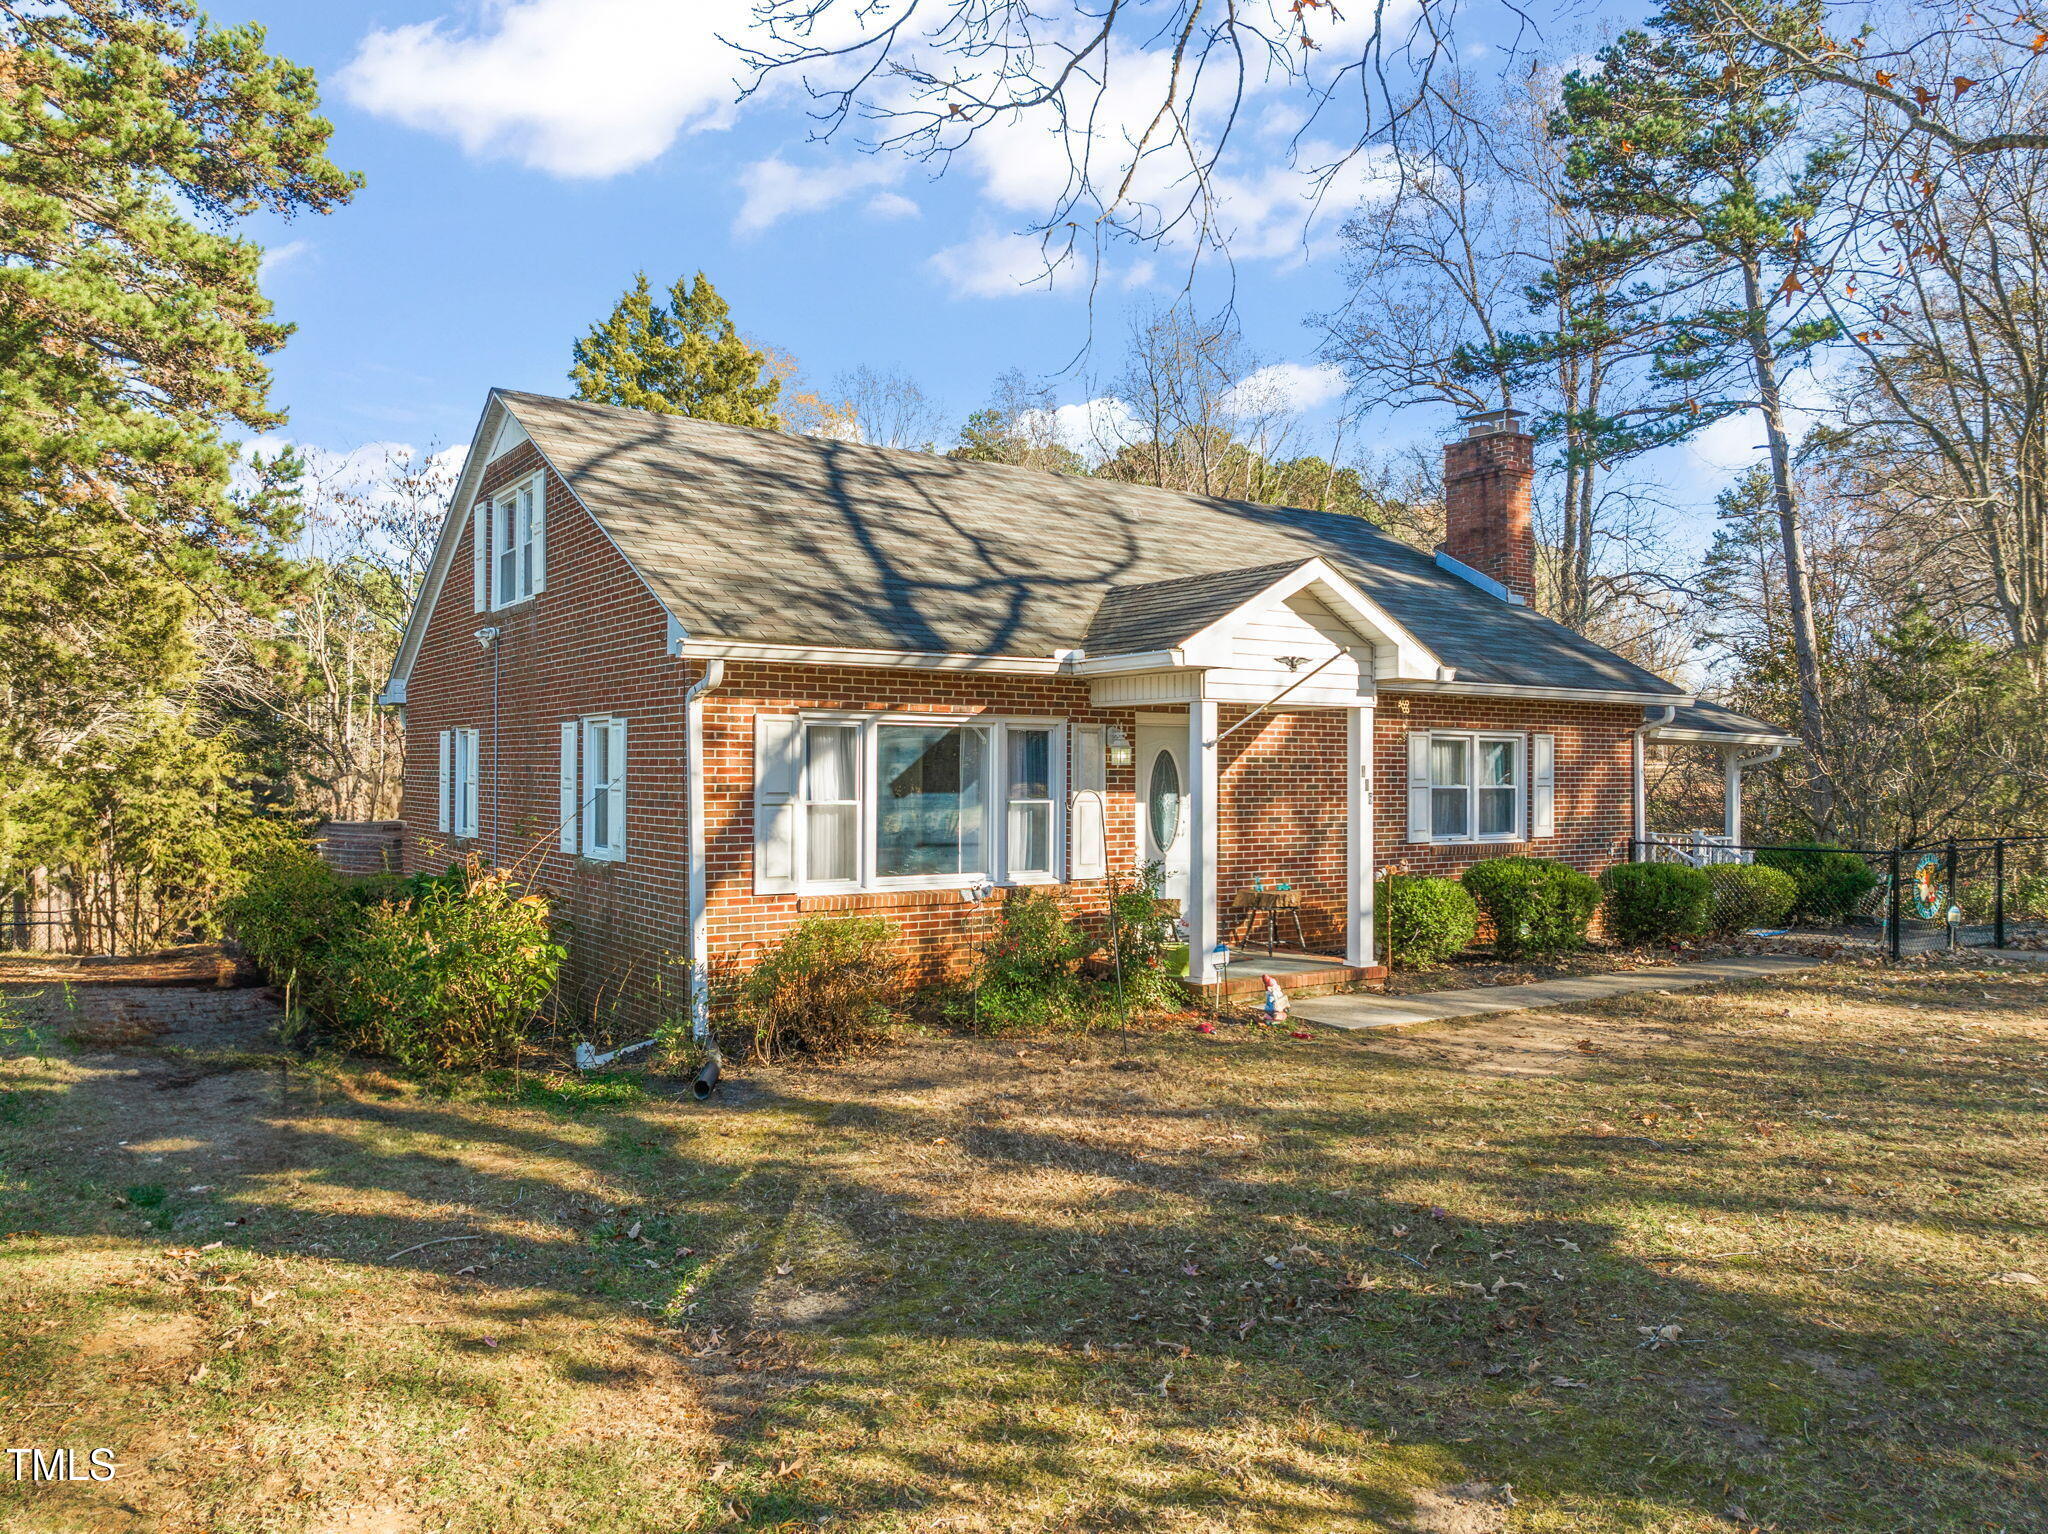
(442, 814)
(1418, 786)
(778, 774)
(540, 532)
(570, 806)
(1543, 785)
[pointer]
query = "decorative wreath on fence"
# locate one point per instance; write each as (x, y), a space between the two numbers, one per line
(1930, 895)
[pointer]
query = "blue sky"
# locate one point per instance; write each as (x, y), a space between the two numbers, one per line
(525, 157)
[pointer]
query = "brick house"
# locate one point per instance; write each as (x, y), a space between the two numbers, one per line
(700, 681)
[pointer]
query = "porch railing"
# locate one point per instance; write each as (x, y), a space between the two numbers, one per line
(1696, 849)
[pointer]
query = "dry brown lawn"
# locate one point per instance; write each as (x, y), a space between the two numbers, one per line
(1768, 1257)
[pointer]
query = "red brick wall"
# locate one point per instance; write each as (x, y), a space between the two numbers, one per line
(937, 925)
(1282, 819)
(593, 642)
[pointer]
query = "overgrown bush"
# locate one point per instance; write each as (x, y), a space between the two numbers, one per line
(1746, 895)
(829, 986)
(450, 977)
(1536, 906)
(1027, 971)
(1832, 883)
(1655, 902)
(1146, 951)
(2026, 898)
(1428, 920)
(446, 971)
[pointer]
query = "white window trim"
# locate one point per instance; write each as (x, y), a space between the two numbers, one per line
(537, 539)
(614, 850)
(868, 815)
(1473, 739)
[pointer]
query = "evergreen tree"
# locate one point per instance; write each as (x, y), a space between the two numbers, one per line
(132, 335)
(1689, 135)
(682, 357)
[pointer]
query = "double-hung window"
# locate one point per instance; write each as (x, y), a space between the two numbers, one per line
(593, 805)
(896, 803)
(459, 797)
(1476, 787)
(518, 541)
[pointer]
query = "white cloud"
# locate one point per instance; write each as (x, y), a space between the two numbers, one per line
(774, 188)
(1094, 428)
(276, 256)
(995, 265)
(1292, 386)
(570, 87)
(893, 205)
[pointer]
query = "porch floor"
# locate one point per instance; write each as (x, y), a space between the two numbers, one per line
(1294, 971)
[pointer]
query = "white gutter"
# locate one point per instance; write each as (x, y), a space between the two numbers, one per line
(1642, 797)
(699, 889)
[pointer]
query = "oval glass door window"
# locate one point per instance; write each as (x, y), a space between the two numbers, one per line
(1163, 796)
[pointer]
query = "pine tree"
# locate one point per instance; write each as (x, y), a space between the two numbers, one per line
(1690, 133)
(132, 337)
(682, 357)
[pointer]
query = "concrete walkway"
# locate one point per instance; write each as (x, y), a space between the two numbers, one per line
(1364, 1011)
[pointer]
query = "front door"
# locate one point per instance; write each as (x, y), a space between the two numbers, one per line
(1162, 805)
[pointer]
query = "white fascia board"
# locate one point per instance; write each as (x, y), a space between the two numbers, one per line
(1147, 660)
(1397, 653)
(1723, 737)
(838, 655)
(1551, 694)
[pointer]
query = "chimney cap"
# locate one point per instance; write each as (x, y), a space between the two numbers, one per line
(1494, 423)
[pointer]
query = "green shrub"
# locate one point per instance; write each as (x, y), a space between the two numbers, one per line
(1832, 883)
(292, 907)
(450, 978)
(1748, 895)
(1428, 920)
(1655, 902)
(1026, 974)
(2026, 898)
(1146, 951)
(829, 986)
(446, 970)
(1536, 906)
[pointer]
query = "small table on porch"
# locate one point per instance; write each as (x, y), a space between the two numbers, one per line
(1270, 903)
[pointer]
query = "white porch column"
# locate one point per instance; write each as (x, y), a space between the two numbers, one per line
(1731, 793)
(1358, 841)
(1202, 817)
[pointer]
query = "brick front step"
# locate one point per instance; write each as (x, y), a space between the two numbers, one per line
(1300, 977)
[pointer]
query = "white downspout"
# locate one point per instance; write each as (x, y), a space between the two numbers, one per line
(700, 883)
(587, 1058)
(1732, 768)
(1651, 721)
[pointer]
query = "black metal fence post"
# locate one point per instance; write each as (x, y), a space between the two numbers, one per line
(1895, 902)
(1952, 895)
(1998, 893)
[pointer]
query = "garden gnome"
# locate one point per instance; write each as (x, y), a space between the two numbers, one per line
(1276, 1001)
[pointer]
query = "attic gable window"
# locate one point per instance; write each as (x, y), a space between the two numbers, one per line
(518, 541)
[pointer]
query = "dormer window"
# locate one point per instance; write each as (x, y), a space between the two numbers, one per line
(518, 541)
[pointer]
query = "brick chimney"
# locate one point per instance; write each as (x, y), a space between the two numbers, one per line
(1487, 474)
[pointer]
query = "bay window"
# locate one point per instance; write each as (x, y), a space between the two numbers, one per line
(895, 803)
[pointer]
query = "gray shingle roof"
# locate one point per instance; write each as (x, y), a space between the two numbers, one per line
(1718, 719)
(1160, 614)
(753, 535)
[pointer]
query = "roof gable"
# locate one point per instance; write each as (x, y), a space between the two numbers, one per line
(761, 537)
